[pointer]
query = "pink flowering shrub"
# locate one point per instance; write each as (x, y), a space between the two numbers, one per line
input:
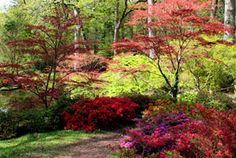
(197, 132)
(102, 113)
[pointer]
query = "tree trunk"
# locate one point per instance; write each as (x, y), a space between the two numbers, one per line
(77, 28)
(150, 30)
(229, 18)
(76, 35)
(175, 88)
(119, 20)
(117, 23)
(214, 7)
(45, 98)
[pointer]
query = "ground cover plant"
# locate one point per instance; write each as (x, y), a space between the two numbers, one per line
(41, 144)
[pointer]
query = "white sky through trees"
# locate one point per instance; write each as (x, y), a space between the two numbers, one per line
(4, 4)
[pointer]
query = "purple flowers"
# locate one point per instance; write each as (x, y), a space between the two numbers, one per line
(209, 133)
(153, 134)
(127, 145)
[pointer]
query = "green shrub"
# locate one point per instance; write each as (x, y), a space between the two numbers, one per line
(120, 79)
(117, 81)
(54, 111)
(106, 54)
(4, 101)
(18, 122)
(188, 97)
(215, 100)
(9, 123)
(33, 121)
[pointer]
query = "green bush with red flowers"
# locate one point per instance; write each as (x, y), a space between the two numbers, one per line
(100, 113)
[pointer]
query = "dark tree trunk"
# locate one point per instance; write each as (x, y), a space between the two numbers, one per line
(214, 8)
(119, 20)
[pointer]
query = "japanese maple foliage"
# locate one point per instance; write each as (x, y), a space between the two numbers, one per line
(179, 26)
(49, 46)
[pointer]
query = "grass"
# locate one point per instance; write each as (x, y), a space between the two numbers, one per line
(41, 144)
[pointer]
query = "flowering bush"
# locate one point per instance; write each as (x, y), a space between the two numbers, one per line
(199, 132)
(6, 82)
(100, 113)
(158, 106)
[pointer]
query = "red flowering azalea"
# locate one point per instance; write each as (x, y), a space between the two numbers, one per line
(6, 82)
(104, 112)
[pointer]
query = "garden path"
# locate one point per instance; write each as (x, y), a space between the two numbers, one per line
(100, 146)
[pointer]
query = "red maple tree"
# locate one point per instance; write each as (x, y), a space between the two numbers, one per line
(179, 26)
(49, 46)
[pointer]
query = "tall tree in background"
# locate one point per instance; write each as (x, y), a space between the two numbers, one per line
(150, 30)
(77, 33)
(229, 18)
(119, 18)
(214, 4)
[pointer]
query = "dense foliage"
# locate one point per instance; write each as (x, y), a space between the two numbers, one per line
(174, 40)
(16, 123)
(100, 113)
(185, 131)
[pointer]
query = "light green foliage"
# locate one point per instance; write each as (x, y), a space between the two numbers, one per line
(126, 75)
(41, 145)
(87, 90)
(224, 53)
(214, 72)
(228, 55)
(209, 75)
(189, 97)
(4, 51)
(12, 26)
(147, 79)
(213, 100)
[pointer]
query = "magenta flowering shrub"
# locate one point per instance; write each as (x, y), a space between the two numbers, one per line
(203, 132)
(100, 113)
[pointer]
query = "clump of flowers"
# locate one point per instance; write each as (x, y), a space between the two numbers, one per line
(197, 132)
(153, 135)
(6, 82)
(103, 112)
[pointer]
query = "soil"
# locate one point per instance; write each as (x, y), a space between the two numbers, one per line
(100, 146)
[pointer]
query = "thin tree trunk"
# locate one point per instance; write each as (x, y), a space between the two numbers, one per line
(229, 18)
(47, 87)
(214, 8)
(76, 35)
(150, 30)
(175, 88)
(77, 28)
(119, 20)
(117, 23)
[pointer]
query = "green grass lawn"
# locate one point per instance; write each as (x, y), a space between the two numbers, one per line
(41, 144)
